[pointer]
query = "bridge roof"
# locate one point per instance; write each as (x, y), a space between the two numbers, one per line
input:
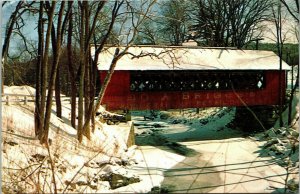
(190, 58)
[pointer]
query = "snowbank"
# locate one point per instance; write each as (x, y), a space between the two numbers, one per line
(23, 90)
(294, 113)
(78, 167)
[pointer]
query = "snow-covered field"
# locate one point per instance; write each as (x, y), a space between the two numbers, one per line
(179, 151)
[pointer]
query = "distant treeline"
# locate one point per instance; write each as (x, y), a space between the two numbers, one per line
(290, 51)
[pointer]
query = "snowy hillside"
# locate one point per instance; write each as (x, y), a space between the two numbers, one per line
(77, 167)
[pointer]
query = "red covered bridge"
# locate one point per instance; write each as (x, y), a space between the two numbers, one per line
(162, 78)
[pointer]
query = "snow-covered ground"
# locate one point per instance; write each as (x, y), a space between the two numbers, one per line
(185, 125)
(217, 158)
(85, 167)
(179, 151)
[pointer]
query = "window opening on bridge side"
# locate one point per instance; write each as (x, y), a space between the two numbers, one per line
(141, 81)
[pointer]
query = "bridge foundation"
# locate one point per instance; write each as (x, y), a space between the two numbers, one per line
(255, 118)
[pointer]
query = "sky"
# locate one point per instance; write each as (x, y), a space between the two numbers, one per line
(30, 30)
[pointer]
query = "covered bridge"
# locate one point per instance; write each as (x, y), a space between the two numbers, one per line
(160, 78)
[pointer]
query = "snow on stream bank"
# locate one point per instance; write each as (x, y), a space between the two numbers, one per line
(223, 159)
(187, 125)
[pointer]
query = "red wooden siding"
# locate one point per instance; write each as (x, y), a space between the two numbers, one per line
(118, 95)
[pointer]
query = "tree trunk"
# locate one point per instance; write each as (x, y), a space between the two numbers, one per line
(107, 79)
(48, 110)
(279, 48)
(292, 94)
(37, 113)
(57, 94)
(92, 109)
(57, 82)
(44, 71)
(94, 71)
(82, 73)
(71, 72)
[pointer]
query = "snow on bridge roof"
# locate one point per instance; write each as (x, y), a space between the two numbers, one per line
(190, 58)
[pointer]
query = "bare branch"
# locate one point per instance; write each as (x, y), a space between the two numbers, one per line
(290, 11)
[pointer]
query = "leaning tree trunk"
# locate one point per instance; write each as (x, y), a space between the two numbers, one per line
(91, 109)
(107, 79)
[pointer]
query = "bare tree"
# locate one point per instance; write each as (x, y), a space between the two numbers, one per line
(43, 100)
(37, 112)
(57, 41)
(54, 19)
(293, 10)
(44, 70)
(89, 22)
(279, 43)
(86, 31)
(149, 34)
(71, 67)
(174, 25)
(20, 9)
(120, 53)
(228, 23)
(62, 19)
